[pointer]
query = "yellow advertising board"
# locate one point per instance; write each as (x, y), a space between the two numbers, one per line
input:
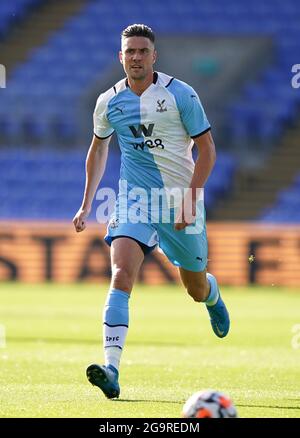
(239, 254)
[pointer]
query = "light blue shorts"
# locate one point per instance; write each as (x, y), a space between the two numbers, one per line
(186, 248)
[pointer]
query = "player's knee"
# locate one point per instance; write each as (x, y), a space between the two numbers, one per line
(122, 278)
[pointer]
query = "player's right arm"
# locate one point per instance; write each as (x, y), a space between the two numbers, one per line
(96, 158)
(94, 168)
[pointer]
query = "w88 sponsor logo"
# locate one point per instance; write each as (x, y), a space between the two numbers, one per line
(147, 131)
(157, 143)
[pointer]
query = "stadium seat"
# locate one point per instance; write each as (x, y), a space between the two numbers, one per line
(72, 58)
(61, 71)
(50, 184)
(14, 11)
(287, 205)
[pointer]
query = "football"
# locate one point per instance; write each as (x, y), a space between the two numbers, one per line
(209, 404)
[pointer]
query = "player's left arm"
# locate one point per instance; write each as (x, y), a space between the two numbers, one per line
(203, 167)
(205, 161)
(197, 126)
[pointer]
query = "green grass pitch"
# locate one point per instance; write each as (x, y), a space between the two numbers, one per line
(53, 332)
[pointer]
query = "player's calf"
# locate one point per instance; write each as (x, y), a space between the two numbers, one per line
(196, 284)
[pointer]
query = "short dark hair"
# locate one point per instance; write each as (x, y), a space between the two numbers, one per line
(140, 30)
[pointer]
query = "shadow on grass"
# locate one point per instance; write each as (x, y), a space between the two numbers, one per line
(268, 407)
(46, 340)
(147, 401)
(127, 400)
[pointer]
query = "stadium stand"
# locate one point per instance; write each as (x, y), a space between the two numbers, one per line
(287, 205)
(49, 184)
(75, 56)
(41, 102)
(254, 191)
(14, 11)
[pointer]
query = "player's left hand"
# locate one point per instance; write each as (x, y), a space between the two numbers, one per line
(186, 215)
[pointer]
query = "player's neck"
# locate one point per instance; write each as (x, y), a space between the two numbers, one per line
(138, 86)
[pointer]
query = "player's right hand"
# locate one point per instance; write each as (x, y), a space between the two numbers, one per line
(80, 218)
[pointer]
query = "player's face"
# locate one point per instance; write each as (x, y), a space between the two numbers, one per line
(137, 56)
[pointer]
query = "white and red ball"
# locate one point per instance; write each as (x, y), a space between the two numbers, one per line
(209, 404)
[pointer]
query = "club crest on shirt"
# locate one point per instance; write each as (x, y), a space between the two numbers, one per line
(114, 223)
(161, 106)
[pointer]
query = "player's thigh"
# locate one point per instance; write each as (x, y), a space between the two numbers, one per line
(185, 249)
(126, 257)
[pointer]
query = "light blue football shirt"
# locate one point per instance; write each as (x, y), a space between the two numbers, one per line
(155, 131)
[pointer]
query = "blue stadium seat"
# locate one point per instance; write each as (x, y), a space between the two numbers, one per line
(50, 184)
(61, 71)
(287, 205)
(72, 58)
(14, 11)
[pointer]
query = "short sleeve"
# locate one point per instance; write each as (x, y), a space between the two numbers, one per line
(102, 127)
(190, 108)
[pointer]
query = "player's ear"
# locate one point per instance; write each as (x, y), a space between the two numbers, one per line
(154, 56)
(121, 57)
